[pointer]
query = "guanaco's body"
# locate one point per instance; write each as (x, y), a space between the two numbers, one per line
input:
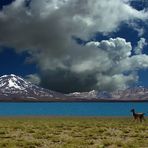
(138, 116)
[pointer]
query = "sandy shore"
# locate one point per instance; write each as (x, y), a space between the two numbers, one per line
(66, 117)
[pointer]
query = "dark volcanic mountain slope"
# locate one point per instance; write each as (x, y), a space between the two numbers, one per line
(16, 88)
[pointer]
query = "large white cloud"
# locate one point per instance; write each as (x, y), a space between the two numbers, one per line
(45, 22)
(141, 43)
(116, 68)
(45, 29)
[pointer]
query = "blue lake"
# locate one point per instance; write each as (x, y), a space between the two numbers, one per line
(71, 109)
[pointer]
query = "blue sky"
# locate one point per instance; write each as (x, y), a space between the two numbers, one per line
(14, 63)
(30, 51)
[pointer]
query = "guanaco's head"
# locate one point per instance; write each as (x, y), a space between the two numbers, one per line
(132, 110)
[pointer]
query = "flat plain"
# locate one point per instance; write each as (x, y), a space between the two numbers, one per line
(72, 132)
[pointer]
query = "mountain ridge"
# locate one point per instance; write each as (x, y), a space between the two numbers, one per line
(15, 88)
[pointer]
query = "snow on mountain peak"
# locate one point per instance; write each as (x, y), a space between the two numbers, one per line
(13, 75)
(13, 84)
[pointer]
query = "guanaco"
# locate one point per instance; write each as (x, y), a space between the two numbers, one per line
(138, 116)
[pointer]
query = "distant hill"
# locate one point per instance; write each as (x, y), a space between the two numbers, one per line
(131, 94)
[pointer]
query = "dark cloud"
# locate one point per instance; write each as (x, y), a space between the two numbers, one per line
(66, 81)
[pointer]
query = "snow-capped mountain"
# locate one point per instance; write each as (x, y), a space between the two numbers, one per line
(91, 95)
(14, 87)
(84, 95)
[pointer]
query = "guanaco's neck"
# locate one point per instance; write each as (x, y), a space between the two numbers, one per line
(133, 112)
